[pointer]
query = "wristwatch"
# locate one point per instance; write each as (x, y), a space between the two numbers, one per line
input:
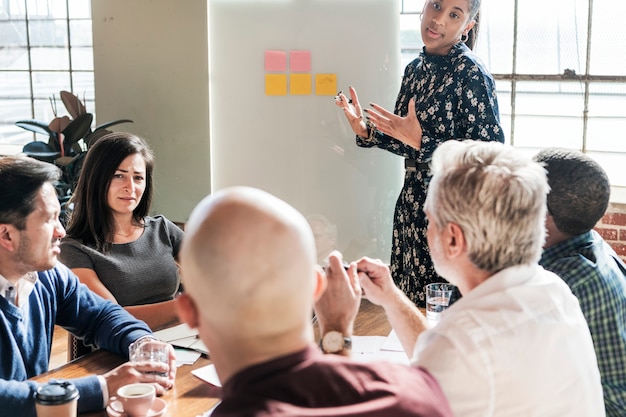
(335, 342)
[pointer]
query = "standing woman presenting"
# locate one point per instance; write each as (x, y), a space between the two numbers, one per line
(446, 93)
(112, 245)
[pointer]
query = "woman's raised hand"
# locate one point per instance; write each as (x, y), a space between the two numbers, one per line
(353, 111)
(406, 129)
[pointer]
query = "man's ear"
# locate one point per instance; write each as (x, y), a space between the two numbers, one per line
(320, 283)
(455, 239)
(187, 310)
(7, 234)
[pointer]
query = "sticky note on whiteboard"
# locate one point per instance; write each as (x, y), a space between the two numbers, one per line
(325, 84)
(300, 61)
(300, 84)
(275, 61)
(276, 84)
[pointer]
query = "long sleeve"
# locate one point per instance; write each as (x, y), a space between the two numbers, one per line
(455, 98)
(26, 337)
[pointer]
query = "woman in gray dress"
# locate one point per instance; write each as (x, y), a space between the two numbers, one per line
(112, 245)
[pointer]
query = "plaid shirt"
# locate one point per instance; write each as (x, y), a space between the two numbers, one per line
(597, 276)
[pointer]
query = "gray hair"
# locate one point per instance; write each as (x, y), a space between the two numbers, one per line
(496, 195)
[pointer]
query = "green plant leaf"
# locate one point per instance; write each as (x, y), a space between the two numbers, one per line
(73, 104)
(76, 130)
(35, 126)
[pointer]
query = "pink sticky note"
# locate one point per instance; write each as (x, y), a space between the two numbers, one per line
(275, 61)
(300, 61)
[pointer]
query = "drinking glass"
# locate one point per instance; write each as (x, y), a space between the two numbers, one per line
(437, 300)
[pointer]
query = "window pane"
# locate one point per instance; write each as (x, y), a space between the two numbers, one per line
(50, 59)
(607, 118)
(84, 87)
(49, 9)
(49, 84)
(13, 110)
(44, 111)
(411, 6)
(79, 9)
(410, 38)
(80, 33)
(12, 9)
(82, 59)
(494, 45)
(48, 33)
(613, 164)
(503, 90)
(14, 85)
(10, 112)
(549, 113)
(12, 34)
(14, 58)
(606, 38)
(553, 40)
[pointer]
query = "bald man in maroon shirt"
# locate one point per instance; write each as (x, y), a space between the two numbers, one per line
(251, 281)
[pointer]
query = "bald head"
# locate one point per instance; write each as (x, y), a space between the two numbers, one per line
(248, 262)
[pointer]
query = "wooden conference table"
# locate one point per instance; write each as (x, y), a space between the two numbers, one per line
(191, 396)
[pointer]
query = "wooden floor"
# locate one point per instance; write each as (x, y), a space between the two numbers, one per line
(58, 356)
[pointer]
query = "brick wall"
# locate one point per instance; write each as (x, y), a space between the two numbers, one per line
(612, 227)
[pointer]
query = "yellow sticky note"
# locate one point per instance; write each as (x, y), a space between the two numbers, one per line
(300, 84)
(275, 84)
(325, 84)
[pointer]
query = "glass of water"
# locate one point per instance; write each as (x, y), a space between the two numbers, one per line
(149, 350)
(437, 299)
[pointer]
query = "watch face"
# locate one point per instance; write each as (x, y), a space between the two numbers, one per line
(332, 342)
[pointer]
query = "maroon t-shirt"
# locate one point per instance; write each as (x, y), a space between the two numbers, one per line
(309, 383)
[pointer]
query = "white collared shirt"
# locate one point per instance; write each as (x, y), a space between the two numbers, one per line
(24, 287)
(516, 345)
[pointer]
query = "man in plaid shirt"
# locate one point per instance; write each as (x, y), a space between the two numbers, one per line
(578, 198)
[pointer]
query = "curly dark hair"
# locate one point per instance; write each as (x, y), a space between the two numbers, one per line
(579, 189)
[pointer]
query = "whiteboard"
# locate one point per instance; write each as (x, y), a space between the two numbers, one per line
(300, 147)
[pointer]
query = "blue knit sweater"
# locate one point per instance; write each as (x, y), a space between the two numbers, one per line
(26, 337)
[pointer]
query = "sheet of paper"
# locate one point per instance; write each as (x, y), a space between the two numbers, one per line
(325, 84)
(182, 336)
(300, 84)
(300, 61)
(208, 374)
(186, 357)
(382, 355)
(275, 61)
(367, 344)
(181, 331)
(392, 343)
(276, 84)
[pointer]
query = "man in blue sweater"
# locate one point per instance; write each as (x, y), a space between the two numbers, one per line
(37, 292)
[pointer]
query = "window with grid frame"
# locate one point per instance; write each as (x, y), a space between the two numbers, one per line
(45, 47)
(559, 76)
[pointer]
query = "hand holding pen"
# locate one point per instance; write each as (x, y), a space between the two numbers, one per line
(353, 111)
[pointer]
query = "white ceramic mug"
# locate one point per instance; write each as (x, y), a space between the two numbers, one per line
(137, 399)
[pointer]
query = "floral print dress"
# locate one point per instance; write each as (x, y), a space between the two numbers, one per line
(455, 99)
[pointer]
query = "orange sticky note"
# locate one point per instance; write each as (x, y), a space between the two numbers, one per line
(300, 61)
(275, 61)
(276, 84)
(325, 84)
(300, 84)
